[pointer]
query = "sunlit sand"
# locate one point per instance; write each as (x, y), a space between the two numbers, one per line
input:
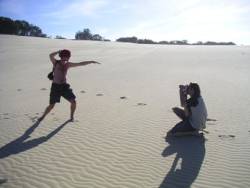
(123, 114)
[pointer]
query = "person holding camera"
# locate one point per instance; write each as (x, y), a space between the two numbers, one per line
(59, 86)
(194, 112)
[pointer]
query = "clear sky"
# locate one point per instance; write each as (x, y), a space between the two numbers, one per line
(192, 20)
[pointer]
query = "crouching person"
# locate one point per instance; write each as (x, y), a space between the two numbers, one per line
(193, 114)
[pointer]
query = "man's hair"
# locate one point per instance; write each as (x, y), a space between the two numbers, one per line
(64, 53)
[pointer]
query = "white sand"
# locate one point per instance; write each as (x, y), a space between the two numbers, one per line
(115, 142)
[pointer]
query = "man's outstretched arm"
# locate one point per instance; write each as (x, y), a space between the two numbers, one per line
(82, 63)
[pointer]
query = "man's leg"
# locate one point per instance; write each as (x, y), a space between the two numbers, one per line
(47, 110)
(69, 95)
(72, 109)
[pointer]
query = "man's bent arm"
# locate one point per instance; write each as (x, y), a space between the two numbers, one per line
(186, 110)
(52, 56)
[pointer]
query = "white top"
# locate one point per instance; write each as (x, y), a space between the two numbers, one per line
(199, 115)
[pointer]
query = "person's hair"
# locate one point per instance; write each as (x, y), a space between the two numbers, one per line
(193, 101)
(64, 53)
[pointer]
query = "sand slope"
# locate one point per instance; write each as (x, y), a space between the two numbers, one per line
(119, 142)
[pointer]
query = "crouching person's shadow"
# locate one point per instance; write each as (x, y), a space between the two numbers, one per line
(190, 153)
(20, 145)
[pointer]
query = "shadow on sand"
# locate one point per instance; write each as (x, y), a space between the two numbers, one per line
(190, 153)
(20, 145)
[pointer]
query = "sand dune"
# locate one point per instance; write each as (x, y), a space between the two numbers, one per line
(123, 114)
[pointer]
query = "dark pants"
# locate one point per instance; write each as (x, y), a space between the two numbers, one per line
(58, 90)
(184, 125)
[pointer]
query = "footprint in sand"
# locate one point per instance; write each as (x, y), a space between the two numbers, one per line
(19, 89)
(33, 119)
(43, 89)
(82, 91)
(210, 119)
(123, 97)
(230, 136)
(99, 94)
(55, 119)
(211, 124)
(2, 180)
(141, 104)
(5, 116)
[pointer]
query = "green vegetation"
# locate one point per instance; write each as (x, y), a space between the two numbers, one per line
(87, 35)
(23, 28)
(173, 42)
(19, 27)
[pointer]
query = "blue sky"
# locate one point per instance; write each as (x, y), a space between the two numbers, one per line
(192, 20)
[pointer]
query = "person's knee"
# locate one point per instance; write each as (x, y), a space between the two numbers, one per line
(51, 106)
(73, 102)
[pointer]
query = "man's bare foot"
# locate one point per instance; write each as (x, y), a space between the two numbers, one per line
(71, 119)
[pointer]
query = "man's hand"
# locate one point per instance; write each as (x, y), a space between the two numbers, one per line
(95, 62)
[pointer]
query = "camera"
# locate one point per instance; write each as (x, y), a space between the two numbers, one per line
(183, 88)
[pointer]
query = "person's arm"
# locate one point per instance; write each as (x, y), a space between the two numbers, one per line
(52, 56)
(183, 97)
(186, 109)
(82, 63)
(183, 101)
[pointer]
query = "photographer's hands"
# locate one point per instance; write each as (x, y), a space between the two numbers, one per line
(183, 96)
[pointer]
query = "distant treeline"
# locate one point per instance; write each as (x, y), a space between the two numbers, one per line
(173, 42)
(19, 27)
(87, 35)
(23, 28)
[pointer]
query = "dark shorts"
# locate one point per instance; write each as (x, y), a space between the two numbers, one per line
(183, 126)
(58, 90)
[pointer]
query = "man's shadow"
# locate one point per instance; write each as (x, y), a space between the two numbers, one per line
(190, 153)
(20, 145)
